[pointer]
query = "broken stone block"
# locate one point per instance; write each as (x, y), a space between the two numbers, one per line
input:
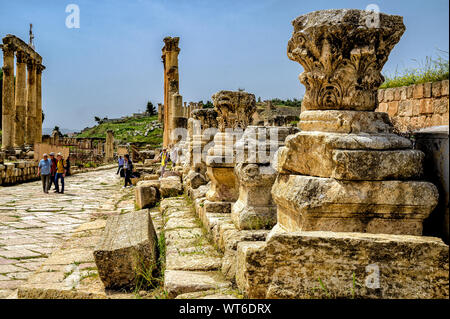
(194, 180)
(349, 122)
(146, 196)
(352, 265)
(350, 156)
(127, 250)
(171, 186)
(199, 192)
(392, 207)
(177, 282)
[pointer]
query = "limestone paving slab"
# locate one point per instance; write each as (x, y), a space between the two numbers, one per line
(34, 224)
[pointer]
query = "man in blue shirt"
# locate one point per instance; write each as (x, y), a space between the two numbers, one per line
(121, 160)
(44, 170)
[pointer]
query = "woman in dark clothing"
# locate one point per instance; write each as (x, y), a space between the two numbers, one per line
(128, 170)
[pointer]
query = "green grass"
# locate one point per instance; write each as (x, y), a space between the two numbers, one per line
(121, 130)
(431, 70)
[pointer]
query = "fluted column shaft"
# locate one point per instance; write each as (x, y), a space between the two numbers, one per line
(30, 121)
(38, 125)
(21, 99)
(8, 105)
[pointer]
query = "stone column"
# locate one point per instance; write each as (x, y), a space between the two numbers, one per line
(38, 134)
(160, 112)
(346, 171)
(109, 146)
(8, 105)
(177, 120)
(170, 53)
(30, 120)
(21, 99)
(254, 170)
(234, 113)
(346, 175)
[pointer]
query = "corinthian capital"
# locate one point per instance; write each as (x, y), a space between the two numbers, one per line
(39, 68)
(343, 53)
(235, 109)
(21, 57)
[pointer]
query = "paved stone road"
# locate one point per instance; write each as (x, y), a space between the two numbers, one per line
(32, 223)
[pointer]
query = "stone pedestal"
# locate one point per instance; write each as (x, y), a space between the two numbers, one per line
(234, 111)
(220, 169)
(255, 208)
(305, 265)
(346, 171)
(348, 192)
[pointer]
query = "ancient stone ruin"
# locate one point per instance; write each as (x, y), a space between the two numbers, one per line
(254, 207)
(22, 100)
(347, 186)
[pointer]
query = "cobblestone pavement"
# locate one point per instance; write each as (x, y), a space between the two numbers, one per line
(33, 224)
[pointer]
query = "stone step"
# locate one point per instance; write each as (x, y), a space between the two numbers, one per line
(192, 263)
(177, 282)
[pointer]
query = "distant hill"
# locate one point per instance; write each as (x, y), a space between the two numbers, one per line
(48, 131)
(146, 130)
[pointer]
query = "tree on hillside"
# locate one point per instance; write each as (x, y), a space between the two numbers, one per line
(97, 119)
(208, 105)
(151, 110)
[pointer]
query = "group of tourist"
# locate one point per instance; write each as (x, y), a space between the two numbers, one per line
(125, 165)
(52, 170)
(125, 169)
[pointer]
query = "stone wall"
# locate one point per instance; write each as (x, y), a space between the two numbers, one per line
(18, 172)
(416, 106)
(12, 173)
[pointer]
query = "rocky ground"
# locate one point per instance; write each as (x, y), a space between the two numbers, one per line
(33, 224)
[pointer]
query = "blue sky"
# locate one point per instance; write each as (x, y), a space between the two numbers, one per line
(111, 66)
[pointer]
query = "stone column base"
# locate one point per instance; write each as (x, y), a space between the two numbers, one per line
(307, 203)
(305, 265)
(253, 217)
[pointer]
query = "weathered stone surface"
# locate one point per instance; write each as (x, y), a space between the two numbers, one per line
(224, 186)
(199, 192)
(258, 144)
(254, 208)
(392, 207)
(171, 186)
(343, 53)
(383, 266)
(194, 180)
(146, 196)
(211, 294)
(231, 240)
(127, 249)
(44, 225)
(350, 156)
(349, 122)
(177, 282)
(194, 258)
(234, 109)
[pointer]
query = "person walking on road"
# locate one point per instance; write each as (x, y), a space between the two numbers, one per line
(52, 170)
(44, 169)
(120, 162)
(128, 170)
(60, 173)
